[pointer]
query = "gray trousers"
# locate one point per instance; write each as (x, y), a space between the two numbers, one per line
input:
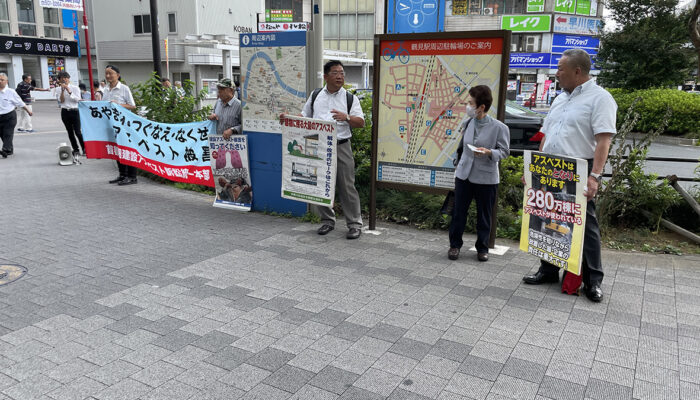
(345, 190)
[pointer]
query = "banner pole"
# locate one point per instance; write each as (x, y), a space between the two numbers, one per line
(87, 48)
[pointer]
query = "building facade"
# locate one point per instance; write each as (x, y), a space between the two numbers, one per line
(196, 30)
(37, 41)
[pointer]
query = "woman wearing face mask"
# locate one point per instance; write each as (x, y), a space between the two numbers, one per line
(485, 141)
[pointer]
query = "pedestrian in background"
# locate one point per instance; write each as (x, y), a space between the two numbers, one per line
(116, 92)
(485, 142)
(98, 90)
(9, 101)
(24, 88)
(68, 97)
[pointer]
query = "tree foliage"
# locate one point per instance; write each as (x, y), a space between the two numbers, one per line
(166, 105)
(650, 47)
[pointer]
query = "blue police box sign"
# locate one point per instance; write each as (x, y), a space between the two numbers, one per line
(562, 42)
(415, 16)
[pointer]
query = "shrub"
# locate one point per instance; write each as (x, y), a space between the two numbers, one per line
(165, 105)
(653, 103)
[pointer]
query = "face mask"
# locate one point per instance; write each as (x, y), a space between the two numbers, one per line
(471, 111)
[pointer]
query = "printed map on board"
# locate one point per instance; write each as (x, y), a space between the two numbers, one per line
(423, 91)
(273, 78)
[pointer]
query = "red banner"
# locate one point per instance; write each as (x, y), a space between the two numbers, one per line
(443, 46)
(129, 156)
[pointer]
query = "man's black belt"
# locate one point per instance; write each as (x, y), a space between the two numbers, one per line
(341, 141)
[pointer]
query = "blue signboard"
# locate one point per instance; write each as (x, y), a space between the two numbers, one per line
(272, 39)
(415, 16)
(562, 42)
(556, 57)
(70, 21)
(530, 60)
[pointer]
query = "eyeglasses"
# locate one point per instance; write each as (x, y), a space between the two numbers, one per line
(337, 73)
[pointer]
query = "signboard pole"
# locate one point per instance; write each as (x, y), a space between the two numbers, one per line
(375, 132)
(87, 48)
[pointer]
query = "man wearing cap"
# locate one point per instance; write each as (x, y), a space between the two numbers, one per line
(227, 110)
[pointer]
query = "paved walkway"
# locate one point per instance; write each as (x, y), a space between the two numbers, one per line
(150, 292)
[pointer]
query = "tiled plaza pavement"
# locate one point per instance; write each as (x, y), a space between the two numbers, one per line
(148, 292)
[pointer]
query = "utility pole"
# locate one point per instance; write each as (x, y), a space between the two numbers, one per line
(317, 62)
(155, 39)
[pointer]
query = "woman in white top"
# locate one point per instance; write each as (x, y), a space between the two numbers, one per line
(116, 92)
(68, 97)
(9, 100)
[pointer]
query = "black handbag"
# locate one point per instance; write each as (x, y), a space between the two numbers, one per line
(460, 147)
(449, 204)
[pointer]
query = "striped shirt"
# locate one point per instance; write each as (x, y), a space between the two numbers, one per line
(229, 115)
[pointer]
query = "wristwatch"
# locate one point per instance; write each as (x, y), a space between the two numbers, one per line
(347, 118)
(597, 177)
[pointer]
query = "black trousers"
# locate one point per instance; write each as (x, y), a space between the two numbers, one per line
(71, 120)
(126, 170)
(592, 264)
(485, 196)
(7, 130)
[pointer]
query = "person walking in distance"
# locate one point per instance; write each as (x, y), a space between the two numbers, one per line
(580, 123)
(334, 103)
(9, 100)
(24, 89)
(116, 92)
(68, 97)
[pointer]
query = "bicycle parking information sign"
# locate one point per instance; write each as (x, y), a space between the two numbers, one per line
(421, 90)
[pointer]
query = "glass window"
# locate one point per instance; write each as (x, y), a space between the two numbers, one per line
(172, 26)
(142, 24)
(25, 11)
(514, 7)
(365, 5)
(27, 30)
(330, 26)
(531, 43)
(52, 32)
(348, 5)
(365, 26)
(5, 27)
(348, 27)
(347, 45)
(474, 7)
(4, 15)
(330, 6)
(51, 16)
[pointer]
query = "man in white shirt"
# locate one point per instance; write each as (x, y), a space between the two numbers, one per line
(9, 100)
(68, 97)
(331, 104)
(116, 92)
(580, 123)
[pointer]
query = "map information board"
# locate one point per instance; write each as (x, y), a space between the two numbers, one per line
(273, 78)
(422, 94)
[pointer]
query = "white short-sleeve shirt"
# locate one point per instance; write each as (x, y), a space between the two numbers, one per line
(327, 101)
(120, 94)
(9, 100)
(575, 118)
(70, 101)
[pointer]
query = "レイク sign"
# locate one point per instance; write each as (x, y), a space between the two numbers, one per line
(535, 6)
(527, 23)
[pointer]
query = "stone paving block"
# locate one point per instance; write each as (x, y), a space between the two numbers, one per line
(201, 375)
(276, 328)
(270, 359)
(32, 387)
(80, 388)
(689, 391)
(105, 354)
(127, 389)
(557, 389)
(467, 385)
(514, 388)
(65, 352)
(349, 331)
(331, 345)
(689, 373)
(312, 360)
(309, 392)
(438, 366)
(239, 327)
(146, 355)
(330, 317)
(522, 369)
(121, 311)
(296, 316)
(612, 373)
(68, 371)
(603, 390)
(165, 325)
(137, 339)
(245, 377)
(173, 390)
(229, 357)
(400, 394)
(395, 364)
(481, 368)
(410, 348)
(355, 393)
(424, 384)
(334, 380)
(114, 372)
(214, 341)
(654, 374)
(646, 391)
(26, 350)
(289, 378)
(491, 351)
(450, 350)
(128, 324)
(386, 332)
(158, 373)
(202, 326)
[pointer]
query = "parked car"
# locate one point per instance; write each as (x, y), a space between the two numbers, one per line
(524, 125)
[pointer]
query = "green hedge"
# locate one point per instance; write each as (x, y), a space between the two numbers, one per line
(685, 108)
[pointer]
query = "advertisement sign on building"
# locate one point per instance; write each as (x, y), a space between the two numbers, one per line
(565, 6)
(76, 5)
(278, 15)
(282, 26)
(556, 57)
(577, 25)
(530, 60)
(415, 16)
(587, 7)
(535, 6)
(561, 43)
(527, 23)
(38, 47)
